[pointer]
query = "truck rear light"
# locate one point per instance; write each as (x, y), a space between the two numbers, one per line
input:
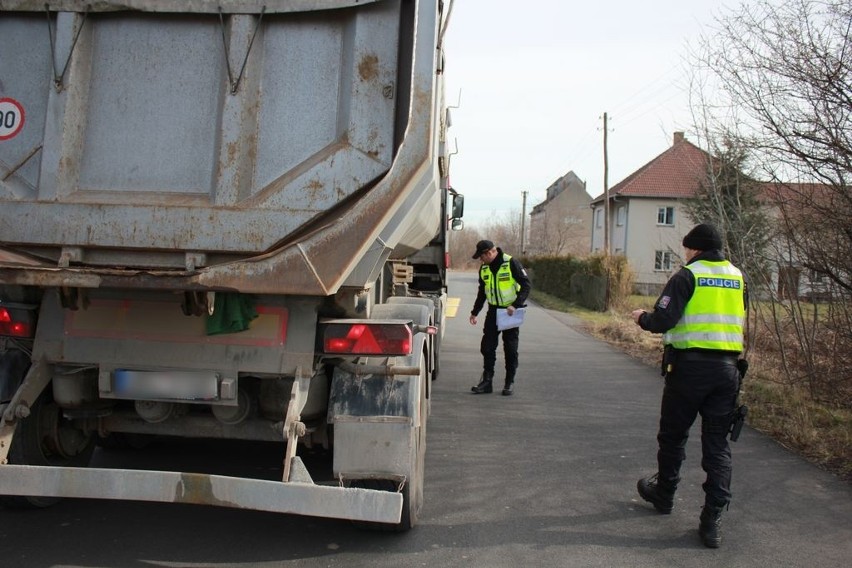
(16, 322)
(367, 338)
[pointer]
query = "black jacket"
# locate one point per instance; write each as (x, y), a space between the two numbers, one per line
(518, 273)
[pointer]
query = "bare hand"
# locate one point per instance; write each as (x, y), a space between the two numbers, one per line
(636, 314)
(510, 310)
(472, 320)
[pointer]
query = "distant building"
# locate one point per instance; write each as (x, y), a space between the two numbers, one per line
(647, 220)
(560, 225)
(794, 207)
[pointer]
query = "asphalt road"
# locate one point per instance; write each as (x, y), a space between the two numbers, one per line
(543, 478)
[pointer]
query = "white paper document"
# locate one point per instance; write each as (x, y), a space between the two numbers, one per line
(506, 321)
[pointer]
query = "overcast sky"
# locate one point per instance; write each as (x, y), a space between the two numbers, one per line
(533, 78)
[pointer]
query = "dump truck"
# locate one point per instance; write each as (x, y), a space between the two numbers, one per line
(223, 221)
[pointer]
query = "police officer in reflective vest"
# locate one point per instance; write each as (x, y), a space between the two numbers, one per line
(503, 283)
(701, 311)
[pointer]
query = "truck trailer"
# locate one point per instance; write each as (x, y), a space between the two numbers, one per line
(223, 221)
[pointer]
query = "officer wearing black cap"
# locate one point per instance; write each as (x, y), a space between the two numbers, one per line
(701, 311)
(503, 283)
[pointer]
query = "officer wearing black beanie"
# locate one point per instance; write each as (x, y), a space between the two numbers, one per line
(703, 237)
(701, 311)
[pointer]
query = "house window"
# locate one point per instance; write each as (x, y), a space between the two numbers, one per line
(599, 218)
(621, 216)
(665, 216)
(664, 260)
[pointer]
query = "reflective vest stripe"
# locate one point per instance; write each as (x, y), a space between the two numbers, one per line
(715, 337)
(714, 318)
(715, 268)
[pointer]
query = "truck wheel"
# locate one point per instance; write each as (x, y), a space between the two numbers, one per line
(412, 490)
(14, 364)
(436, 342)
(123, 441)
(47, 438)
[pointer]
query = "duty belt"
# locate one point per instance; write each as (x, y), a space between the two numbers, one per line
(707, 356)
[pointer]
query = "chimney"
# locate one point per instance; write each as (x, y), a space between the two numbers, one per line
(678, 137)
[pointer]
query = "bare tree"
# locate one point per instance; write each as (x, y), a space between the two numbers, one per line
(462, 245)
(786, 72)
(730, 199)
(505, 231)
(781, 79)
(550, 236)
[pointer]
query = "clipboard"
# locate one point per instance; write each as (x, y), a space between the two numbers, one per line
(506, 321)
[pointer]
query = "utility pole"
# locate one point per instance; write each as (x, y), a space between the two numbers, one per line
(524, 224)
(606, 189)
(606, 216)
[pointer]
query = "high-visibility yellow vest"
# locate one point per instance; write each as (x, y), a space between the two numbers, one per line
(714, 316)
(501, 289)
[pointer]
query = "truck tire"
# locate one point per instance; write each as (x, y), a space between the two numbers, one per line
(47, 438)
(14, 364)
(123, 441)
(412, 489)
(436, 366)
(435, 341)
(413, 500)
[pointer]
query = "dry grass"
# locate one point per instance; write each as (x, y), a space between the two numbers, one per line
(820, 432)
(817, 430)
(621, 332)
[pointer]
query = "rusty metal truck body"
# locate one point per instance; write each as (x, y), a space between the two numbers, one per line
(222, 220)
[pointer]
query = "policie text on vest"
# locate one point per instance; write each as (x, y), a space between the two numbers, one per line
(719, 282)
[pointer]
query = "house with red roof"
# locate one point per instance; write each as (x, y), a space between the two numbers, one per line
(646, 217)
(646, 220)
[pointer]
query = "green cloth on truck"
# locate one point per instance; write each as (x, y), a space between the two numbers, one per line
(232, 312)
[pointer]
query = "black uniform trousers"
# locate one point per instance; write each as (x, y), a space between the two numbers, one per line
(708, 386)
(490, 339)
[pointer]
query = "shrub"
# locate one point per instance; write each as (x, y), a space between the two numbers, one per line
(583, 281)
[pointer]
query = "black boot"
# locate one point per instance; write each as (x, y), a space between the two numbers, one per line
(710, 526)
(510, 382)
(484, 386)
(658, 494)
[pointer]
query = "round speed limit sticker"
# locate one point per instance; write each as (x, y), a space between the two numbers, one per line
(11, 118)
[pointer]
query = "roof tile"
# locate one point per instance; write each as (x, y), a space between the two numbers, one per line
(676, 173)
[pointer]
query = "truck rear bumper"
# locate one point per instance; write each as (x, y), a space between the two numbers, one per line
(301, 497)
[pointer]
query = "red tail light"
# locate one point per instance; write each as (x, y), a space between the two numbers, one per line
(16, 322)
(367, 338)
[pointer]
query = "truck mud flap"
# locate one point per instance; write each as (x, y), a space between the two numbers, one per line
(298, 497)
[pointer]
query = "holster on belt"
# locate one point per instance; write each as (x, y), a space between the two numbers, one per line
(740, 412)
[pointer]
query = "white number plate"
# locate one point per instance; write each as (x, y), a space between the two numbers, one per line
(166, 385)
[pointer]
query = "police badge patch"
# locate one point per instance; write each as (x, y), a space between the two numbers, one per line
(664, 302)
